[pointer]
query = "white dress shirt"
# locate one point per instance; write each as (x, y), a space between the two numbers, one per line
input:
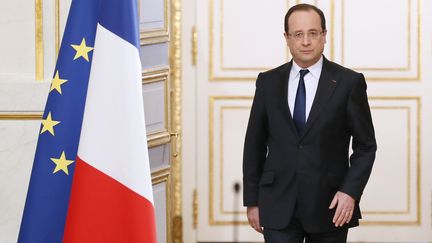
(311, 84)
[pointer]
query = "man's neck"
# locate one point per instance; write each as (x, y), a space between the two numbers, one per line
(307, 65)
(315, 65)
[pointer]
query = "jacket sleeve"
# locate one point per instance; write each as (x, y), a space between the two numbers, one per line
(363, 140)
(255, 146)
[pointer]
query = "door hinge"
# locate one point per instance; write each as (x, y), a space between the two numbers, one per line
(194, 45)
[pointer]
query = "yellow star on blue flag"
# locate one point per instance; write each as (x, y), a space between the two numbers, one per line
(82, 50)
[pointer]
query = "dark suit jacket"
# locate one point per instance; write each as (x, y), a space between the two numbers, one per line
(282, 168)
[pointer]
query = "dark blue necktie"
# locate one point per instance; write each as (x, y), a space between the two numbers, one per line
(300, 103)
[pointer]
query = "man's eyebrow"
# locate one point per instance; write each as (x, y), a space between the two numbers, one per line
(298, 31)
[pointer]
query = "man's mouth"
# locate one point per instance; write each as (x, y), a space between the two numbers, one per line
(306, 51)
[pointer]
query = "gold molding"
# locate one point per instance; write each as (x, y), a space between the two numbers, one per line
(155, 70)
(153, 140)
(332, 24)
(194, 45)
(159, 177)
(221, 161)
(175, 108)
(157, 139)
(213, 221)
(408, 169)
(211, 46)
(214, 78)
(158, 35)
(39, 40)
(418, 169)
(419, 7)
(221, 55)
(195, 209)
(20, 116)
(155, 75)
(160, 74)
(57, 27)
(388, 223)
(155, 37)
(419, 161)
(39, 36)
(408, 67)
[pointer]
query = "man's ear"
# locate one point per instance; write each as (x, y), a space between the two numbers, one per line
(325, 35)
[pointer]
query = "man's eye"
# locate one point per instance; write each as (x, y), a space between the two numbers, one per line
(313, 34)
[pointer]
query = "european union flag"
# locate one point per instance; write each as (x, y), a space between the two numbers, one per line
(53, 168)
(49, 194)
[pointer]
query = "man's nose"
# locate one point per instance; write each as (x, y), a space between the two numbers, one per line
(306, 40)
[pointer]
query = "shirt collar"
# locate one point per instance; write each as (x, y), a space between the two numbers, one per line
(315, 69)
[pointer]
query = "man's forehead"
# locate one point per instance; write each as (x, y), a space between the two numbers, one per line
(310, 12)
(297, 18)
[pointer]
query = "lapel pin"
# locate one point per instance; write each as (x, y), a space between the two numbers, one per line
(334, 81)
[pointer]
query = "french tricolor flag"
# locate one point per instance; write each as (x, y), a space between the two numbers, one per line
(91, 178)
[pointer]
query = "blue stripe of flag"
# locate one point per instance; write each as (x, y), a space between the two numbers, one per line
(116, 14)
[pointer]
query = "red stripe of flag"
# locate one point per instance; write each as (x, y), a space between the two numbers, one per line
(103, 210)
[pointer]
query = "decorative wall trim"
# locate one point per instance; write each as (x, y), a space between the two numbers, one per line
(409, 48)
(57, 27)
(418, 166)
(213, 77)
(164, 176)
(417, 185)
(176, 117)
(408, 111)
(155, 36)
(39, 76)
(212, 220)
(160, 74)
(20, 116)
(157, 139)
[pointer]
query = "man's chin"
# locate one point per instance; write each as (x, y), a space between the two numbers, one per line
(306, 61)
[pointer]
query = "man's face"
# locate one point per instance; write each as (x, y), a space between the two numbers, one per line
(305, 39)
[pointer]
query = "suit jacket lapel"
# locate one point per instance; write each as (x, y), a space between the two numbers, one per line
(326, 86)
(284, 79)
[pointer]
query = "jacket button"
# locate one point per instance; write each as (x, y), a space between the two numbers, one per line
(300, 146)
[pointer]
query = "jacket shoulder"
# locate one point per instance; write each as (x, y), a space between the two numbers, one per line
(277, 70)
(275, 73)
(348, 75)
(341, 69)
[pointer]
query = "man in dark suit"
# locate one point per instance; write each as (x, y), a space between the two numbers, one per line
(299, 180)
